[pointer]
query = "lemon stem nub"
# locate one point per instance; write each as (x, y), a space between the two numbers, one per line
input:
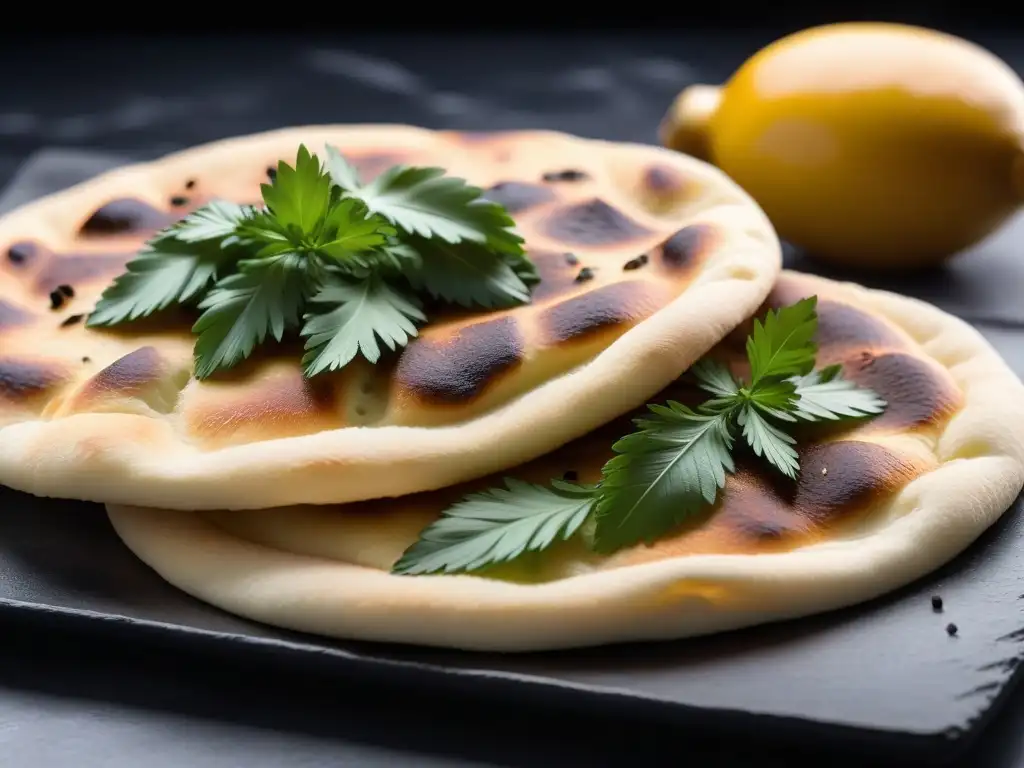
(685, 126)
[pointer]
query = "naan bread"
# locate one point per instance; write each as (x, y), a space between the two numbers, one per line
(877, 505)
(114, 415)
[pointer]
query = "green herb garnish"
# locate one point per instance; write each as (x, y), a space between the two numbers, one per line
(670, 469)
(343, 263)
(498, 525)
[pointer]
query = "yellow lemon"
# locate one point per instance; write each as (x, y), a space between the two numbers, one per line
(867, 144)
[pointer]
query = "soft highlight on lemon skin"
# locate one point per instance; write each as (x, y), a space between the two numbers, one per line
(870, 145)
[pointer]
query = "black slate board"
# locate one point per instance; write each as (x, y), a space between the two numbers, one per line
(883, 677)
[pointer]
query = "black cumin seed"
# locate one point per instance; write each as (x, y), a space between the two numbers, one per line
(585, 274)
(936, 603)
(189, 183)
(569, 174)
(951, 629)
(71, 320)
(571, 259)
(86, 359)
(636, 263)
(271, 172)
(56, 299)
(66, 289)
(179, 200)
(571, 476)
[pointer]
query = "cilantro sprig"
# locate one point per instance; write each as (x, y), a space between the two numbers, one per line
(342, 263)
(667, 471)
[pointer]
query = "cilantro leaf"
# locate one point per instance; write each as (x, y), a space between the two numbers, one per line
(767, 440)
(262, 232)
(346, 177)
(398, 258)
(783, 345)
(362, 313)
(665, 472)
(425, 202)
(299, 197)
(342, 172)
(217, 220)
(715, 378)
(165, 272)
(773, 397)
(466, 273)
(393, 262)
(350, 228)
(825, 396)
(497, 526)
(263, 297)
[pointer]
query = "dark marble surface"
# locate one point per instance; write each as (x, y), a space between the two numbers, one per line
(69, 700)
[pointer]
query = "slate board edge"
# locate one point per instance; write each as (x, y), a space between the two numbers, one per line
(534, 691)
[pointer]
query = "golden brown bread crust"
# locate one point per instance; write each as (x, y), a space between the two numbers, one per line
(617, 242)
(878, 503)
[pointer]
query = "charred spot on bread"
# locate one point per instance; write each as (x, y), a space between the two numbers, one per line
(566, 174)
(71, 269)
(617, 304)
(21, 253)
(126, 215)
(128, 374)
(918, 393)
(858, 475)
(663, 181)
(593, 223)
(841, 326)
(685, 248)
(458, 369)
(519, 196)
(11, 315)
(21, 379)
(756, 508)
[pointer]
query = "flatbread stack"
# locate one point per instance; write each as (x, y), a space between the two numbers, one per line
(114, 415)
(289, 500)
